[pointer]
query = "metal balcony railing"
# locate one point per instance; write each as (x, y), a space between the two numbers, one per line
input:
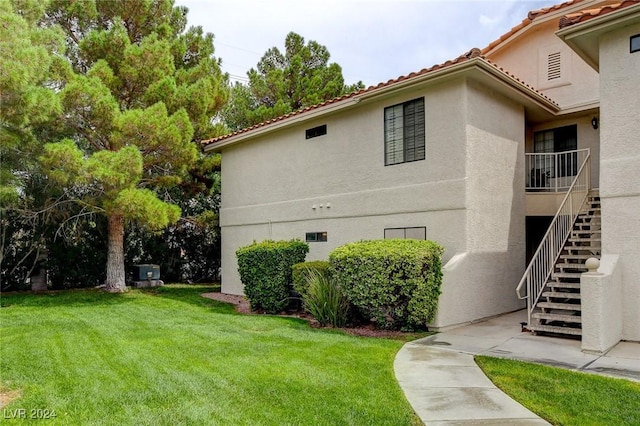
(553, 171)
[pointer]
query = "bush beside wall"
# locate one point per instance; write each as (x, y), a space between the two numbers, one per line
(265, 271)
(395, 283)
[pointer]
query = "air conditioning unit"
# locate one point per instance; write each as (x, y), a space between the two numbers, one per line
(146, 272)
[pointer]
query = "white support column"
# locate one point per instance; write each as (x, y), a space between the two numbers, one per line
(601, 300)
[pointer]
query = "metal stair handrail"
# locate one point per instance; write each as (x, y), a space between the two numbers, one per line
(544, 259)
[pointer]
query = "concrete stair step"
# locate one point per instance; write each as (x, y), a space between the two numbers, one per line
(556, 329)
(567, 275)
(576, 256)
(583, 239)
(561, 295)
(591, 248)
(586, 218)
(579, 266)
(559, 284)
(596, 233)
(557, 305)
(577, 319)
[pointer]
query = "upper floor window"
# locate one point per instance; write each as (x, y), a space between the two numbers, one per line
(559, 139)
(404, 132)
(634, 43)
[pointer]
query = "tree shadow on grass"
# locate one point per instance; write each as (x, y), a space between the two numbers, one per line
(54, 299)
(191, 294)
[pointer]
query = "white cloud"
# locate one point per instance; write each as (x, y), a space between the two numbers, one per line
(485, 21)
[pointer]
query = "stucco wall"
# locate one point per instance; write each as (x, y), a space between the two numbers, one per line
(525, 56)
(269, 186)
(468, 193)
(482, 279)
(620, 163)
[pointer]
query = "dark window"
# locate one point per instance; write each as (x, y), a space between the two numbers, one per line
(635, 43)
(316, 237)
(316, 131)
(560, 139)
(414, 233)
(404, 133)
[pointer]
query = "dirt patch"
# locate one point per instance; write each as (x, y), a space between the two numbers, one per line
(242, 306)
(241, 303)
(7, 396)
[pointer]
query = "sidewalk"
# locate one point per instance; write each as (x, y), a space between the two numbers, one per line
(446, 387)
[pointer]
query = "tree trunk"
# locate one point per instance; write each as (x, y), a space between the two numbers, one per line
(116, 282)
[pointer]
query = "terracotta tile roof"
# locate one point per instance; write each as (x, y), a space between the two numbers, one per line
(472, 54)
(585, 15)
(531, 16)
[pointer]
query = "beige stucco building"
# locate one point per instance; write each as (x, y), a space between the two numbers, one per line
(478, 154)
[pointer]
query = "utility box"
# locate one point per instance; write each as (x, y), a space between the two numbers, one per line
(147, 275)
(146, 272)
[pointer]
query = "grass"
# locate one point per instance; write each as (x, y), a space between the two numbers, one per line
(565, 397)
(171, 357)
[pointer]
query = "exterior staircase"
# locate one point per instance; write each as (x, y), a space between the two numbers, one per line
(558, 310)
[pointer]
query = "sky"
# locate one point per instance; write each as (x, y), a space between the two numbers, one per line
(372, 40)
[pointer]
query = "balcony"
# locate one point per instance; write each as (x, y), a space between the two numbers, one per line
(553, 171)
(548, 178)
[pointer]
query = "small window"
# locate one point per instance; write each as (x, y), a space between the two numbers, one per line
(316, 237)
(316, 131)
(635, 43)
(404, 132)
(413, 233)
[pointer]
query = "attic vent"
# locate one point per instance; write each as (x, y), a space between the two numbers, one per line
(316, 131)
(553, 66)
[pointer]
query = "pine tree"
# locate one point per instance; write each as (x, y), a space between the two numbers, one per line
(284, 82)
(143, 90)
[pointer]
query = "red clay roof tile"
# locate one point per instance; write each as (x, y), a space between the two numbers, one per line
(532, 15)
(585, 15)
(473, 53)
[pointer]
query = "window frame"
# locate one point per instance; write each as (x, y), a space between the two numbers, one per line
(404, 229)
(318, 237)
(634, 43)
(412, 129)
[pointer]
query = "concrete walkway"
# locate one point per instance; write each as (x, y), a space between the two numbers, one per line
(445, 386)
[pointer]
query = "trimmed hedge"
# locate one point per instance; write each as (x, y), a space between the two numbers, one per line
(395, 283)
(265, 271)
(300, 272)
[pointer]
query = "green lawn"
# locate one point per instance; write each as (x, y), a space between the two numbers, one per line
(171, 357)
(565, 397)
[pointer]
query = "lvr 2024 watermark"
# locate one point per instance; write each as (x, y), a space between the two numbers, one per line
(31, 414)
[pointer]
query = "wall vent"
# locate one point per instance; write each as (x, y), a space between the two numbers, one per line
(554, 66)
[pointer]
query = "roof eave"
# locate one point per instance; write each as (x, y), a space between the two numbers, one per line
(583, 37)
(452, 71)
(528, 23)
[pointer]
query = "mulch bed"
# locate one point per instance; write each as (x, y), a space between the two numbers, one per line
(242, 306)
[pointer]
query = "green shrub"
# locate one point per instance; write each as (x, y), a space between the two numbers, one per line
(299, 273)
(265, 271)
(324, 299)
(395, 283)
